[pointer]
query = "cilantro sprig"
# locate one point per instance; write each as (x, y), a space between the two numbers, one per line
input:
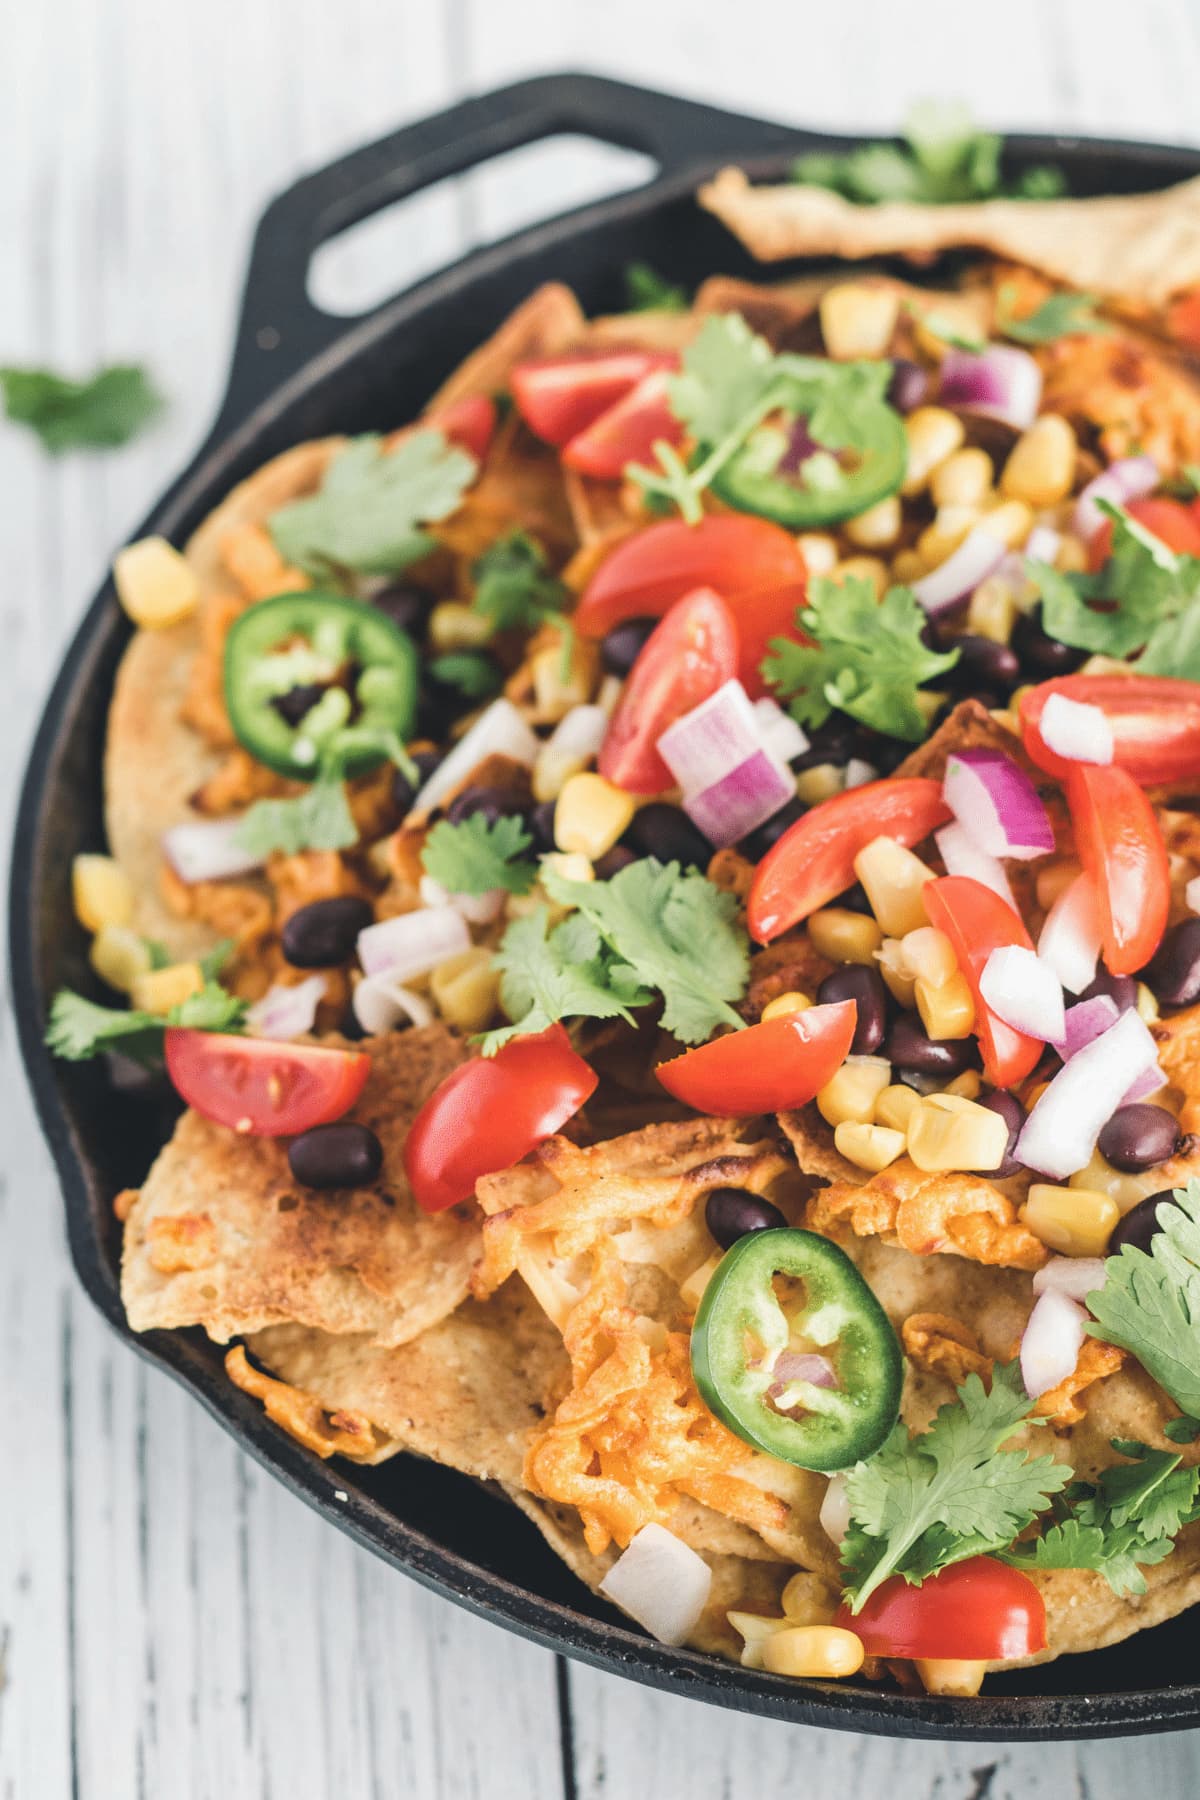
(80, 1029)
(1150, 1301)
(475, 856)
(318, 819)
(648, 291)
(565, 973)
(1151, 602)
(514, 587)
(101, 413)
(944, 158)
(1058, 316)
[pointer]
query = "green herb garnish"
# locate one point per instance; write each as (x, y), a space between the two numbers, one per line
(101, 413)
(1059, 316)
(944, 158)
(566, 973)
(79, 1029)
(1151, 598)
(648, 291)
(475, 856)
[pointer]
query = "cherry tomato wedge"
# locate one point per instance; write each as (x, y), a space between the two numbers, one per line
(470, 423)
(813, 862)
(262, 1087)
(1155, 723)
(978, 1610)
(626, 432)
(1171, 520)
(686, 658)
(977, 921)
(1124, 856)
(559, 396)
(770, 1067)
(490, 1112)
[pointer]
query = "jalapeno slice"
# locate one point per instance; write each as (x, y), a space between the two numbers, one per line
(822, 489)
(358, 667)
(785, 1313)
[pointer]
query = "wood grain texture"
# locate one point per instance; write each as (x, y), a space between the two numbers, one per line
(172, 1624)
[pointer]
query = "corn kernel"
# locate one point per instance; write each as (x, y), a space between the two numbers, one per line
(819, 550)
(466, 989)
(908, 566)
(825, 1652)
(964, 479)
(1146, 1004)
(947, 1011)
(858, 319)
(590, 815)
(843, 936)
(821, 782)
(893, 878)
(556, 690)
(1072, 556)
(868, 1146)
(950, 526)
(948, 1133)
(851, 1093)
(894, 1106)
(929, 955)
(1041, 467)
(691, 1291)
(453, 625)
(1073, 1221)
(755, 1629)
(569, 865)
(552, 771)
(933, 435)
(101, 891)
(1011, 522)
(807, 1600)
(959, 313)
(953, 1676)
(967, 1086)
(992, 610)
(154, 584)
(876, 528)
(863, 568)
(1099, 1177)
(892, 966)
(1054, 880)
(119, 956)
(783, 1004)
(158, 990)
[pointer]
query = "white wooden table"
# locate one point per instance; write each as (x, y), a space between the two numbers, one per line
(172, 1624)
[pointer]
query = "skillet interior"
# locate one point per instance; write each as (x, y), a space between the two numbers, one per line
(298, 375)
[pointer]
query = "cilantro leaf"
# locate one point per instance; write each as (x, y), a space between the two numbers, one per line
(867, 660)
(944, 159)
(1150, 1302)
(318, 819)
(567, 973)
(475, 856)
(214, 960)
(472, 673)
(1152, 595)
(725, 375)
(101, 413)
(677, 933)
(368, 513)
(79, 1029)
(1058, 316)
(924, 1502)
(648, 291)
(513, 586)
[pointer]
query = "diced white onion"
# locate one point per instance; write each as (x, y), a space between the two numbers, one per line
(380, 1003)
(208, 850)
(859, 773)
(1070, 938)
(1086, 1021)
(1043, 544)
(1074, 1276)
(1023, 991)
(834, 1516)
(1075, 730)
(781, 737)
(1150, 1082)
(706, 744)
(579, 733)
(287, 1012)
(962, 856)
(1060, 1133)
(977, 557)
(500, 731)
(476, 909)
(412, 943)
(661, 1582)
(1051, 1342)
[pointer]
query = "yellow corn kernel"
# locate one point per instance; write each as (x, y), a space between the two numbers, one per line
(1073, 1221)
(590, 815)
(992, 610)
(101, 892)
(119, 956)
(947, 1011)
(929, 956)
(908, 566)
(1072, 556)
(894, 1106)
(947, 1133)
(950, 526)
(933, 435)
(556, 690)
(821, 782)
(807, 1600)
(154, 584)
(783, 1004)
(466, 989)
(892, 966)
(863, 568)
(822, 1652)
(858, 319)
(1099, 1177)
(1041, 467)
(952, 1676)
(158, 990)
(453, 625)
(893, 878)
(1146, 1004)
(868, 1146)
(964, 479)
(967, 1086)
(1011, 522)
(819, 550)
(1054, 880)
(851, 1093)
(569, 865)
(756, 1629)
(843, 936)
(876, 528)
(691, 1291)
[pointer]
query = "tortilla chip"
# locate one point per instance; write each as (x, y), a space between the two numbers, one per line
(222, 1236)
(550, 321)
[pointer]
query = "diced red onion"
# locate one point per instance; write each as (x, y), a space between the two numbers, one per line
(287, 1012)
(500, 731)
(1191, 894)
(962, 856)
(1074, 1276)
(1075, 730)
(1125, 480)
(412, 943)
(741, 801)
(1070, 938)
(380, 1003)
(1000, 382)
(1060, 1133)
(661, 1582)
(476, 909)
(800, 1365)
(1051, 1342)
(977, 557)
(996, 804)
(208, 850)
(579, 732)
(779, 733)
(711, 740)
(834, 1516)
(1144, 1086)
(1024, 992)
(858, 773)
(1043, 543)
(1086, 1021)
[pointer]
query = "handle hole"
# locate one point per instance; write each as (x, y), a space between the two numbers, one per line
(369, 262)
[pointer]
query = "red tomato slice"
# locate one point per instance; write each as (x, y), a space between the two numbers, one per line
(978, 1610)
(1171, 520)
(559, 396)
(262, 1087)
(470, 423)
(1123, 854)
(686, 658)
(627, 431)
(770, 1067)
(1183, 318)
(813, 862)
(977, 921)
(490, 1112)
(1155, 722)
(761, 616)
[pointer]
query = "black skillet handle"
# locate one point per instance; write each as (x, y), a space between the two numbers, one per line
(280, 329)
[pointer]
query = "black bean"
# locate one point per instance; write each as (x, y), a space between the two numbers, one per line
(909, 385)
(1039, 653)
(613, 861)
(322, 934)
(836, 741)
(1140, 1224)
(730, 1213)
(336, 1156)
(1120, 989)
(855, 899)
(406, 605)
(765, 836)
(1139, 1137)
(403, 791)
(1174, 975)
(541, 824)
(493, 802)
(439, 705)
(865, 987)
(1013, 1113)
(623, 645)
(666, 832)
(295, 706)
(982, 663)
(908, 1048)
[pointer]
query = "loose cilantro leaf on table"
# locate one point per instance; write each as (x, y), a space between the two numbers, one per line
(867, 658)
(372, 504)
(648, 291)
(513, 586)
(318, 819)
(1150, 599)
(476, 856)
(101, 413)
(1059, 316)
(473, 674)
(79, 1029)
(1150, 1302)
(944, 159)
(567, 973)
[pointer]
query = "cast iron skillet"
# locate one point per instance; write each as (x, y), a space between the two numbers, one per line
(296, 374)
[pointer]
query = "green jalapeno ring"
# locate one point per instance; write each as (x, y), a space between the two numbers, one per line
(840, 1317)
(744, 483)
